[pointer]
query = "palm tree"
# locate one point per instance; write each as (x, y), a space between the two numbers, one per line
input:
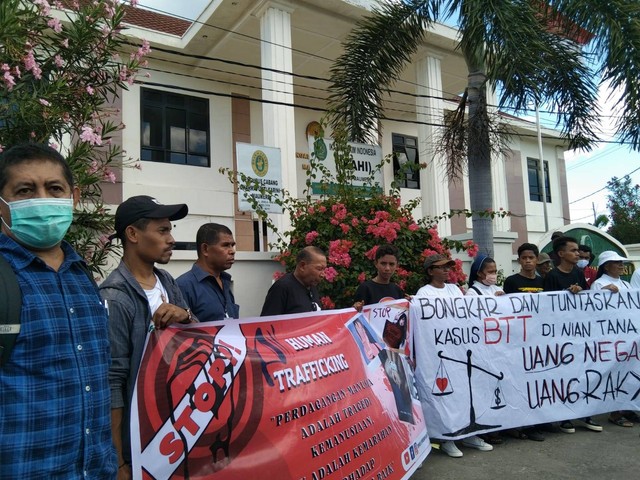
(526, 48)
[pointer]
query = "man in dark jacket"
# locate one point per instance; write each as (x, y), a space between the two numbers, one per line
(139, 297)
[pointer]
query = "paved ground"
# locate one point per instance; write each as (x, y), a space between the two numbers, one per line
(585, 455)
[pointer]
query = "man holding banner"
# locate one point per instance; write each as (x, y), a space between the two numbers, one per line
(139, 298)
(567, 276)
(207, 286)
(297, 292)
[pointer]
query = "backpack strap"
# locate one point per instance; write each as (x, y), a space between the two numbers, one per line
(10, 307)
(477, 290)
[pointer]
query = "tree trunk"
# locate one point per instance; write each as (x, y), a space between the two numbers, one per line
(479, 154)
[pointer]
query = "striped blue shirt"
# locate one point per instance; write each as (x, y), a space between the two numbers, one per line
(55, 416)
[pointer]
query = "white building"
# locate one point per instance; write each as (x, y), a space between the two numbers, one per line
(256, 72)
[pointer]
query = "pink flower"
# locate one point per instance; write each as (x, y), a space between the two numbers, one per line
(31, 64)
(65, 43)
(322, 209)
(371, 254)
(311, 211)
(88, 135)
(142, 51)
(362, 277)
(44, 102)
(339, 252)
(330, 274)
(327, 303)
(427, 252)
(134, 3)
(344, 228)
(413, 227)
(58, 61)
(109, 176)
(339, 211)
(310, 237)
(44, 6)
(355, 222)
(401, 272)
(90, 90)
(55, 24)
(472, 248)
(278, 275)
(9, 80)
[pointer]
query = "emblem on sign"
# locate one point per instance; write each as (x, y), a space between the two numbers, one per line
(259, 163)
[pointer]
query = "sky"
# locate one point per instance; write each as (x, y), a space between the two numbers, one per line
(587, 172)
(189, 9)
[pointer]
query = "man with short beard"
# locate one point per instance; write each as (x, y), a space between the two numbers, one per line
(139, 297)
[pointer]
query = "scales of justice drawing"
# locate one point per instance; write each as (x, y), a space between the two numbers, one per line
(442, 386)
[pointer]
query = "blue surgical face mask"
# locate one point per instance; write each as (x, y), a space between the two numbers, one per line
(40, 223)
(582, 263)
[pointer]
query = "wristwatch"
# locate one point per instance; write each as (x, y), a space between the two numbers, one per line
(189, 315)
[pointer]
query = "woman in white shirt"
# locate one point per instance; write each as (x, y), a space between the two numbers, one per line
(610, 267)
(483, 277)
(436, 269)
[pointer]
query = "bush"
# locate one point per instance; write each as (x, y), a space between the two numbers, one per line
(60, 71)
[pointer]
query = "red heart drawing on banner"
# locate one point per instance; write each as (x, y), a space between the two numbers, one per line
(442, 383)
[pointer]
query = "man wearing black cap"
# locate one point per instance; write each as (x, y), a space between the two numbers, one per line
(139, 297)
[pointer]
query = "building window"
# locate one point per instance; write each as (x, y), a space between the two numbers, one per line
(174, 128)
(535, 188)
(406, 167)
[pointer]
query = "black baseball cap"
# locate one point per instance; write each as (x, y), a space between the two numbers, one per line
(143, 206)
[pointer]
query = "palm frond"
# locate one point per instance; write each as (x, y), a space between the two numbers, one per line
(376, 53)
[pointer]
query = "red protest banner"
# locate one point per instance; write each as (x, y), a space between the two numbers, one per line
(310, 396)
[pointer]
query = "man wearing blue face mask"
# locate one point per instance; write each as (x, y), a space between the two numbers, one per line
(54, 393)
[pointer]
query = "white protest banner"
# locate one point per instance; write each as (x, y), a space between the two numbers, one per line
(313, 396)
(491, 363)
(263, 165)
(365, 160)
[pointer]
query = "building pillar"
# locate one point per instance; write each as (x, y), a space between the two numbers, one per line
(498, 172)
(277, 86)
(434, 184)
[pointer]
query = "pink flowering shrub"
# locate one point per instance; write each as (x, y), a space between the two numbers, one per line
(62, 65)
(350, 254)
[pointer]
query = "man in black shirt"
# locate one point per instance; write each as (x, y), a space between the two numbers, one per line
(567, 276)
(380, 288)
(297, 292)
(525, 281)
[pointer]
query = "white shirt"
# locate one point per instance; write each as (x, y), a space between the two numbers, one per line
(489, 290)
(635, 279)
(605, 280)
(156, 296)
(449, 290)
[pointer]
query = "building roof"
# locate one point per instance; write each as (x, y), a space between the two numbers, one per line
(160, 22)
